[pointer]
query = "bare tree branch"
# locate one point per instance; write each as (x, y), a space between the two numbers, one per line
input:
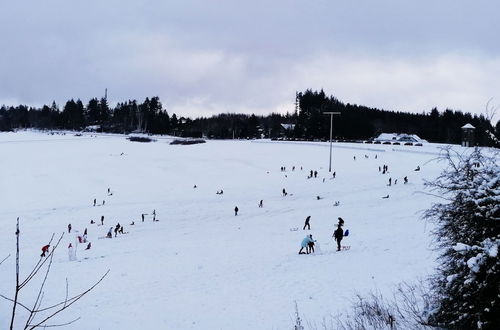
(60, 324)
(36, 309)
(7, 257)
(17, 277)
(490, 111)
(40, 263)
(65, 306)
(12, 300)
(40, 291)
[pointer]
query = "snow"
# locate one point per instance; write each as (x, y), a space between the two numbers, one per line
(201, 267)
(493, 251)
(401, 137)
(460, 247)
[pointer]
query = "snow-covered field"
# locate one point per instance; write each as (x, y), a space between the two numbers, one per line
(200, 266)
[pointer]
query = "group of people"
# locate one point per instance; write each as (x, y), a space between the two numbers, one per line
(308, 242)
(313, 174)
(82, 239)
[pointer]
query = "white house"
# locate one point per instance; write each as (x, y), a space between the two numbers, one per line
(399, 137)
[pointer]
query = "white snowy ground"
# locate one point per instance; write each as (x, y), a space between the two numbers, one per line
(200, 267)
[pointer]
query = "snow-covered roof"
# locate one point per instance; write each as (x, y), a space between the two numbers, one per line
(399, 137)
(468, 126)
(288, 126)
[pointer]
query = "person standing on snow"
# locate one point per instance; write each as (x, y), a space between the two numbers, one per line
(69, 228)
(306, 224)
(117, 228)
(236, 210)
(110, 233)
(338, 234)
(261, 203)
(305, 244)
(102, 220)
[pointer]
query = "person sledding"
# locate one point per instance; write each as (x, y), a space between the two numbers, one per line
(305, 244)
(45, 249)
(338, 234)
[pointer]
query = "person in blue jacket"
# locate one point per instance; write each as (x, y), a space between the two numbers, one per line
(307, 243)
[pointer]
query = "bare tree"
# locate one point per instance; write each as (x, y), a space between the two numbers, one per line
(35, 310)
(490, 111)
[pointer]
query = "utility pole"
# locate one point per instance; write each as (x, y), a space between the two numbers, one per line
(331, 128)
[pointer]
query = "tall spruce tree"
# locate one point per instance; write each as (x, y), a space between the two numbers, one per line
(468, 234)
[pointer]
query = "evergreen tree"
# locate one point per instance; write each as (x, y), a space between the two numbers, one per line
(468, 232)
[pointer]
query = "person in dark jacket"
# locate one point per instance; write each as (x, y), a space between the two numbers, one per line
(338, 234)
(69, 228)
(102, 220)
(306, 224)
(236, 210)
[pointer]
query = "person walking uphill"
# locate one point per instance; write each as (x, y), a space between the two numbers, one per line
(305, 244)
(338, 234)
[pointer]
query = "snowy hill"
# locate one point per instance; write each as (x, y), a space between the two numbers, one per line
(200, 266)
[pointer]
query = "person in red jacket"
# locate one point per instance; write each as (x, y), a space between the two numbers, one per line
(45, 249)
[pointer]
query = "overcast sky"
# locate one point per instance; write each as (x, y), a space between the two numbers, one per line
(203, 57)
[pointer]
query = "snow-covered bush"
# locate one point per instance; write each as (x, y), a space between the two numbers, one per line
(467, 285)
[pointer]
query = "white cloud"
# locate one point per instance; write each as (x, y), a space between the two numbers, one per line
(251, 56)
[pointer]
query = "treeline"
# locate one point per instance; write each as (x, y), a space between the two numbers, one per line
(308, 122)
